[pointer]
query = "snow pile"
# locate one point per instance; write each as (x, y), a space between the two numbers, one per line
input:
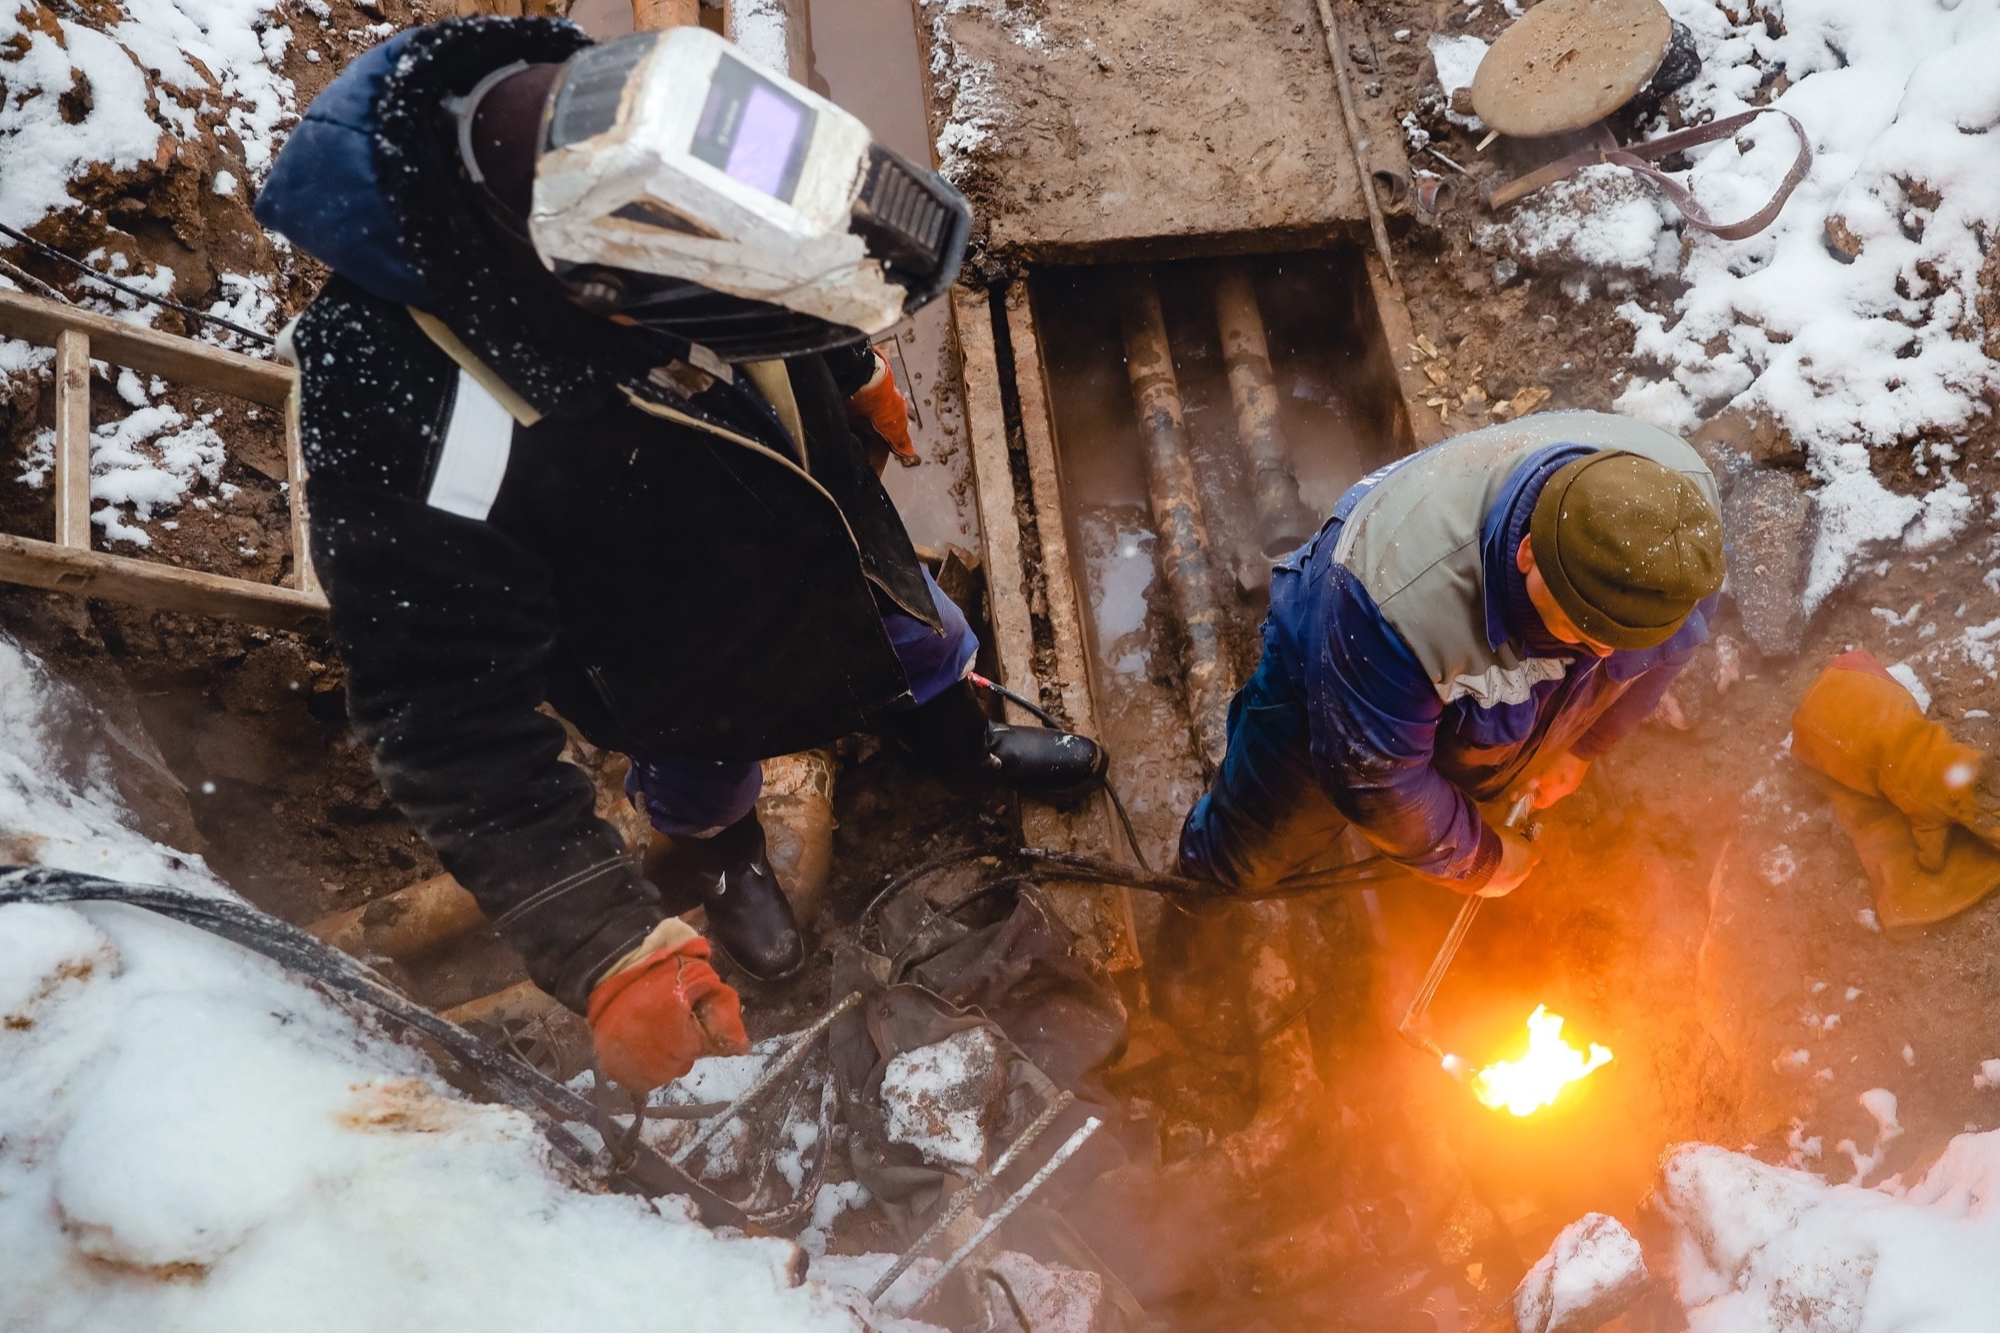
(1456, 60)
(1851, 320)
(1766, 1247)
(144, 462)
(938, 1097)
(192, 1139)
(1602, 217)
(160, 70)
(1592, 1272)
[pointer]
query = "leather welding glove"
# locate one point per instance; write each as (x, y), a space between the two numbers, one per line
(1861, 728)
(880, 404)
(661, 1008)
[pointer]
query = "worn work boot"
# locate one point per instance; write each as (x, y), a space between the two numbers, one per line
(952, 734)
(730, 874)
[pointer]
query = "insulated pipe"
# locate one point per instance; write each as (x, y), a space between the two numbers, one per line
(1183, 547)
(1283, 522)
(413, 920)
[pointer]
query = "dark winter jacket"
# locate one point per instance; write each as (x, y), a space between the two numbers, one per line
(662, 566)
(1404, 749)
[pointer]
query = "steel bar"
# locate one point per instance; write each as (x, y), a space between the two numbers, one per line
(72, 477)
(1183, 548)
(771, 1074)
(1357, 140)
(963, 1199)
(1283, 522)
(1001, 1214)
(1411, 1028)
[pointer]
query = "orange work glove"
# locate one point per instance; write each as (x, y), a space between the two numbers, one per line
(653, 1017)
(880, 404)
(1861, 728)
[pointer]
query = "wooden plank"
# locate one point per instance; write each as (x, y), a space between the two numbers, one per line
(993, 483)
(182, 359)
(42, 564)
(1426, 427)
(303, 576)
(1100, 914)
(72, 473)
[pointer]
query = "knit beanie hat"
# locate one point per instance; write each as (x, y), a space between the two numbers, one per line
(1627, 546)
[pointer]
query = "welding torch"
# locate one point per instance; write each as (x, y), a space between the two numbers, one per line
(1412, 1028)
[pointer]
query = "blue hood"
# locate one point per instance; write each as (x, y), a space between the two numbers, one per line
(325, 195)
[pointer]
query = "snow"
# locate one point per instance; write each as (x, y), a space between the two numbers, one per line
(978, 115)
(1592, 1271)
(934, 1097)
(1603, 217)
(141, 464)
(192, 1139)
(1759, 1247)
(1850, 353)
(1906, 676)
(1988, 1075)
(1457, 60)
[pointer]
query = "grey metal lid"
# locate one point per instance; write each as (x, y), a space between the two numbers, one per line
(1567, 64)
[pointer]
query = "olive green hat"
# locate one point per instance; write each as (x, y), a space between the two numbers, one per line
(1627, 546)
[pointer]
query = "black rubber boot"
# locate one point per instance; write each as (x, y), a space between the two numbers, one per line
(748, 913)
(952, 734)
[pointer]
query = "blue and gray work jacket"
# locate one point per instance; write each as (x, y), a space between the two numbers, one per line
(1423, 698)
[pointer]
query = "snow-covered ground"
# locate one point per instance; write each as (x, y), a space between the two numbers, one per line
(1760, 1247)
(190, 1138)
(1851, 321)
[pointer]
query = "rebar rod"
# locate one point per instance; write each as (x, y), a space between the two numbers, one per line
(1283, 521)
(771, 1073)
(963, 1199)
(1183, 545)
(1411, 1028)
(1001, 1214)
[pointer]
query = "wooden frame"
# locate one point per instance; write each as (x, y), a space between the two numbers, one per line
(68, 564)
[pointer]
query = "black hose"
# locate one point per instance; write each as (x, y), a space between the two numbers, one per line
(503, 1076)
(89, 272)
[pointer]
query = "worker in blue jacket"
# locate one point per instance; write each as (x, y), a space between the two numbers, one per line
(1481, 619)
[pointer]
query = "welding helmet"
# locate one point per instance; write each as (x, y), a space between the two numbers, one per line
(681, 186)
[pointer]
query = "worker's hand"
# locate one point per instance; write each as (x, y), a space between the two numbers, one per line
(880, 405)
(1553, 783)
(652, 1018)
(1517, 862)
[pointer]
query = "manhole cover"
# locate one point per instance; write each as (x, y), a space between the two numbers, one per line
(1568, 64)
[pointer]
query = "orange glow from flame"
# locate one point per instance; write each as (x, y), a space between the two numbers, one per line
(1526, 1085)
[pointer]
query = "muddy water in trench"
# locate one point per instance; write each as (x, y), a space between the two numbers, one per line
(1337, 416)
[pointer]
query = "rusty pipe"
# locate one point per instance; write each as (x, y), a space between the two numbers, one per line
(413, 920)
(1283, 521)
(1183, 545)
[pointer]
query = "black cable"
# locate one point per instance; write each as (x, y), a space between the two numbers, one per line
(506, 1077)
(189, 311)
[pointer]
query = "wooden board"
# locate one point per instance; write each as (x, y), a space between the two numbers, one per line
(179, 359)
(1098, 913)
(1426, 427)
(993, 483)
(42, 564)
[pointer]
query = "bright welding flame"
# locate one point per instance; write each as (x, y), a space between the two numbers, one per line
(1526, 1085)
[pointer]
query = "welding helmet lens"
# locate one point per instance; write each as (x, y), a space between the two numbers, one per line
(682, 187)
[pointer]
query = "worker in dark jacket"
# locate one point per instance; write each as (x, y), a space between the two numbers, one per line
(1481, 619)
(591, 420)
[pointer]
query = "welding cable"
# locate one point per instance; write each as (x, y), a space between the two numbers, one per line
(503, 1076)
(80, 266)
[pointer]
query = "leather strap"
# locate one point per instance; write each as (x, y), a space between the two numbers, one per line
(1640, 156)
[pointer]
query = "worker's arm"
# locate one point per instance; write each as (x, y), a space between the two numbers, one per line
(445, 625)
(1374, 724)
(1650, 672)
